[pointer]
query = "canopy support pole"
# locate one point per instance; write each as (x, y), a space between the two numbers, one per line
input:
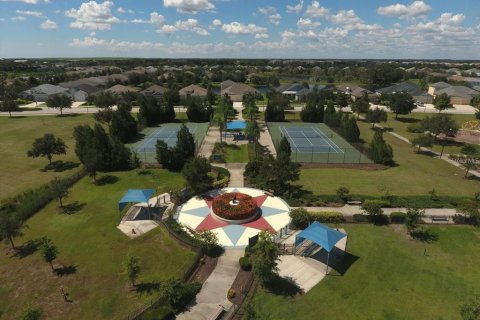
(328, 260)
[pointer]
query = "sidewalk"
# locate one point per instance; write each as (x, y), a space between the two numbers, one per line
(214, 291)
(265, 138)
(213, 135)
(350, 210)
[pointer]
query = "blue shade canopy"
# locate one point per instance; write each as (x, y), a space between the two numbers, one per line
(135, 195)
(322, 235)
(236, 125)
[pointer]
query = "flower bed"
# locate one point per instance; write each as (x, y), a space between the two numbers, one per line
(246, 208)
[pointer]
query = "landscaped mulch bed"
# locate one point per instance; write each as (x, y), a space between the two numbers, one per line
(204, 269)
(241, 285)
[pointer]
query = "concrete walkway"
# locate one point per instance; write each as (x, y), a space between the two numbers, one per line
(236, 174)
(213, 135)
(265, 138)
(214, 291)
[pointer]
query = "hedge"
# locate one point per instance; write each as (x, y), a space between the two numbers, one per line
(301, 218)
(362, 218)
(327, 217)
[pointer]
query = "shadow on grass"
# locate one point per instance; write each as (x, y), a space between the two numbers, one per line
(380, 220)
(233, 146)
(16, 117)
(68, 115)
(73, 207)
(65, 270)
(283, 287)
(28, 248)
(340, 261)
(424, 235)
(407, 120)
(472, 177)
(144, 172)
(108, 179)
(60, 166)
(147, 287)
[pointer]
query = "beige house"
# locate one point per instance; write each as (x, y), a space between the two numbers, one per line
(192, 91)
(458, 94)
(236, 90)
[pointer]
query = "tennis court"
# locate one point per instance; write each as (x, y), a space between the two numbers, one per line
(146, 148)
(315, 143)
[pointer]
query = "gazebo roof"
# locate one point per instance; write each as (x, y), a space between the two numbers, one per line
(321, 234)
(135, 195)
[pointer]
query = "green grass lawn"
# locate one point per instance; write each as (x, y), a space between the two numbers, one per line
(415, 174)
(236, 153)
(17, 135)
(400, 126)
(90, 241)
(391, 278)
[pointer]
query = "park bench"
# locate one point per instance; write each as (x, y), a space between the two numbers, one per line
(440, 219)
(217, 313)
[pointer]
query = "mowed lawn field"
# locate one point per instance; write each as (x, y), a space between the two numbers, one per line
(414, 174)
(390, 278)
(400, 126)
(18, 172)
(90, 243)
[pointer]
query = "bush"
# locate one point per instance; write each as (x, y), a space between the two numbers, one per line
(245, 263)
(342, 193)
(327, 217)
(221, 183)
(300, 218)
(361, 218)
(373, 207)
(398, 217)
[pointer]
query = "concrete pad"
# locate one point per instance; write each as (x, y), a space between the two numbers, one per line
(139, 227)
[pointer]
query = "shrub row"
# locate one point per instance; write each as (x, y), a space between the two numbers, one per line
(301, 218)
(395, 217)
(31, 201)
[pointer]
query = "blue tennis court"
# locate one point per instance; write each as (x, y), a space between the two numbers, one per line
(309, 140)
(168, 135)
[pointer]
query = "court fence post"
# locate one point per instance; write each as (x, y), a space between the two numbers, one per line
(360, 158)
(344, 154)
(145, 155)
(311, 157)
(328, 155)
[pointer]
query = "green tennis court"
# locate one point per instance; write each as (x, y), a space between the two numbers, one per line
(146, 148)
(315, 143)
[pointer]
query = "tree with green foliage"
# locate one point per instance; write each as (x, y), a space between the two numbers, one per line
(423, 140)
(349, 129)
(300, 218)
(211, 98)
(132, 268)
(360, 105)
(252, 131)
(174, 158)
(470, 150)
(471, 209)
(341, 100)
(150, 112)
(264, 257)
(9, 106)
(284, 148)
(105, 100)
(219, 120)
(376, 115)
(195, 172)
(471, 309)
(380, 151)
(185, 142)
(470, 163)
(312, 112)
(274, 112)
(475, 102)
(59, 189)
(124, 126)
(47, 146)
(10, 227)
(332, 118)
(49, 251)
(372, 208)
(412, 218)
(442, 102)
(342, 193)
(197, 111)
(60, 102)
(250, 106)
(400, 103)
(440, 124)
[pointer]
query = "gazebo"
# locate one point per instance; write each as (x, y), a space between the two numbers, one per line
(135, 196)
(322, 235)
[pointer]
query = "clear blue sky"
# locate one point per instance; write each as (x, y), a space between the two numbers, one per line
(241, 28)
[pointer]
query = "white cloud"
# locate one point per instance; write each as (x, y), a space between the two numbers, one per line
(93, 16)
(216, 23)
(351, 21)
(30, 13)
(262, 36)
(400, 10)
(18, 18)
(168, 28)
(121, 10)
(315, 10)
(307, 23)
(189, 25)
(240, 28)
(189, 6)
(155, 19)
(270, 13)
(114, 44)
(296, 8)
(48, 24)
